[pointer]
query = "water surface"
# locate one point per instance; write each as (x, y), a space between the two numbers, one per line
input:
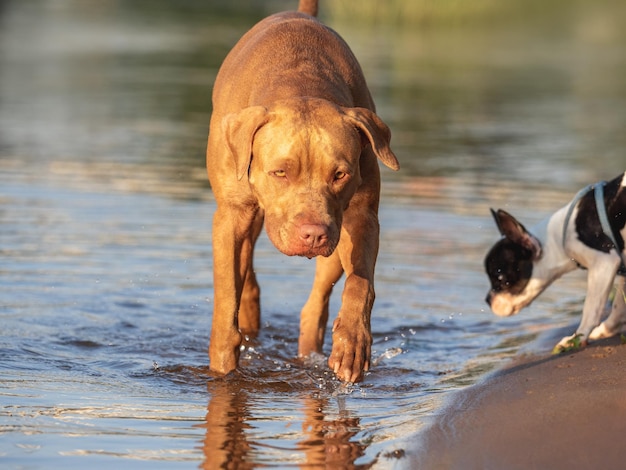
(106, 286)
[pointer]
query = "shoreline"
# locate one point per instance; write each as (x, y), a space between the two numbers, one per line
(538, 411)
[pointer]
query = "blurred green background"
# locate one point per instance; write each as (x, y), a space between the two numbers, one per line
(530, 91)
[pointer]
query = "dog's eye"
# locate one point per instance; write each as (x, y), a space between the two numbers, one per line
(339, 175)
(279, 173)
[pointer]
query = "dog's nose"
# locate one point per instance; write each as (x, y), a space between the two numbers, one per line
(488, 299)
(314, 235)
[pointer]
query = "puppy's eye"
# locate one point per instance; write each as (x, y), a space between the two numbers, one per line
(339, 175)
(279, 173)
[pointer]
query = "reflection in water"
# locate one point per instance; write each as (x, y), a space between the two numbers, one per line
(226, 443)
(329, 443)
(314, 440)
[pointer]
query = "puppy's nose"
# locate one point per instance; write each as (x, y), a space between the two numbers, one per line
(314, 235)
(488, 298)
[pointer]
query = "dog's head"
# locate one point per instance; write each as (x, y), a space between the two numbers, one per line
(303, 161)
(510, 264)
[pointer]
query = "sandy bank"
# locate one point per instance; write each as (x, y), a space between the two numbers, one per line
(543, 412)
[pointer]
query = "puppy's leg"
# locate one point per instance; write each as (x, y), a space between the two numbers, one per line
(250, 306)
(599, 283)
(314, 315)
(232, 253)
(616, 321)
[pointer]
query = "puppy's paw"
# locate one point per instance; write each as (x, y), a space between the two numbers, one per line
(601, 331)
(570, 343)
(350, 356)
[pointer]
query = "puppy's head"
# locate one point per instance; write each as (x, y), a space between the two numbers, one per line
(509, 265)
(303, 161)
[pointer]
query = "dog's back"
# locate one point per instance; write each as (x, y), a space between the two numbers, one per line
(290, 54)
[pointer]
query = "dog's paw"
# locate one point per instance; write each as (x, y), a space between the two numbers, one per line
(224, 350)
(601, 331)
(570, 343)
(350, 356)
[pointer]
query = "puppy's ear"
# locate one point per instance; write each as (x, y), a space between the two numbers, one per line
(239, 129)
(513, 230)
(376, 132)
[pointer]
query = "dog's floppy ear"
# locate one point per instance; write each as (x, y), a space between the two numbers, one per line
(376, 132)
(239, 129)
(513, 230)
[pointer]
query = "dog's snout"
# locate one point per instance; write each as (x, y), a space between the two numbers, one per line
(314, 235)
(488, 298)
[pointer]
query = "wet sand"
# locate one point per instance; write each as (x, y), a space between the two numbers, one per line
(541, 411)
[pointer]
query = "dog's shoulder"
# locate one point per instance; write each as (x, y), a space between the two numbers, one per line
(587, 222)
(615, 200)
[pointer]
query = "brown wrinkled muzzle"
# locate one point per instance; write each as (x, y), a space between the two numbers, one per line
(308, 225)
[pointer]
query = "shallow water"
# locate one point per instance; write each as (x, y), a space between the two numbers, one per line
(106, 294)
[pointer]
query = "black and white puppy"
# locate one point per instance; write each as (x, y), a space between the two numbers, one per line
(523, 263)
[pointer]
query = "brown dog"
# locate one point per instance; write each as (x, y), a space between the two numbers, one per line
(294, 141)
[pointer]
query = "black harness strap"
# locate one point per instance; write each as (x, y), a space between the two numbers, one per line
(598, 194)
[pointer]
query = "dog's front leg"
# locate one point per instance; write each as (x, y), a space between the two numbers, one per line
(233, 239)
(599, 283)
(249, 316)
(352, 338)
(314, 315)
